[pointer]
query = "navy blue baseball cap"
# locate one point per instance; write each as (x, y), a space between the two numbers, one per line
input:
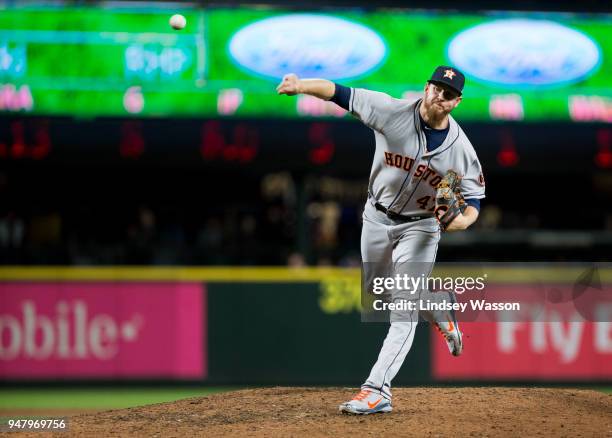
(450, 76)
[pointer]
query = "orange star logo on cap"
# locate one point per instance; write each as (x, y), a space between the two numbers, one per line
(449, 74)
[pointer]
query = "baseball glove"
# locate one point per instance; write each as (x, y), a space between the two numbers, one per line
(449, 200)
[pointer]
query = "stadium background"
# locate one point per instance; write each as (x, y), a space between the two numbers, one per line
(170, 227)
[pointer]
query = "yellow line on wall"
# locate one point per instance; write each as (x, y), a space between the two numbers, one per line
(222, 274)
(505, 274)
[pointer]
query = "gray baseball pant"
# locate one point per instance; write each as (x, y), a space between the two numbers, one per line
(387, 244)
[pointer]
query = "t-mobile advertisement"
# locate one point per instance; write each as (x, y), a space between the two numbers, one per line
(105, 330)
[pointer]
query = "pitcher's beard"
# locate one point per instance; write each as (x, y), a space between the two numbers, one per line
(435, 112)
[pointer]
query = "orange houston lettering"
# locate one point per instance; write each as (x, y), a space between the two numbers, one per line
(397, 161)
(408, 162)
(419, 170)
(404, 162)
(389, 158)
(428, 173)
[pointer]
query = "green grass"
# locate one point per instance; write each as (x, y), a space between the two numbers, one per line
(607, 389)
(96, 398)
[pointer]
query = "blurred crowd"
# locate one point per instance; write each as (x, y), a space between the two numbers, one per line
(239, 230)
(274, 219)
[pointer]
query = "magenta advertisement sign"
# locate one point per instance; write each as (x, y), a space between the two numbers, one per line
(102, 330)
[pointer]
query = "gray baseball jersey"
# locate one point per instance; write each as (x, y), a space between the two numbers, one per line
(404, 174)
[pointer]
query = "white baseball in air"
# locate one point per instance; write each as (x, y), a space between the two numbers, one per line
(178, 22)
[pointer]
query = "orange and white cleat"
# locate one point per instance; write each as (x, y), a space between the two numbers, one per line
(367, 402)
(449, 329)
(454, 338)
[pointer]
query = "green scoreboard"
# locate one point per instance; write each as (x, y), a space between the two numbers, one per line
(125, 60)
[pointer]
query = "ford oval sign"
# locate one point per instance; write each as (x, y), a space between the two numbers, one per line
(523, 52)
(308, 45)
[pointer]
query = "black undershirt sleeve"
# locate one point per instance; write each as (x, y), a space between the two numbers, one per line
(342, 96)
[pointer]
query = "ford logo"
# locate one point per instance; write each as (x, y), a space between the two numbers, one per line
(308, 45)
(524, 53)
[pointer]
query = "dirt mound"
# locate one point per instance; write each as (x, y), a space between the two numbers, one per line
(314, 412)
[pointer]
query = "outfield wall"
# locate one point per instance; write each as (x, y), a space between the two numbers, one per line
(269, 326)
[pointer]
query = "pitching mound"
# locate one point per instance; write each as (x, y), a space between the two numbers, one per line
(314, 412)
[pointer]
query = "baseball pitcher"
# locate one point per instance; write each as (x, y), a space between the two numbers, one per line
(425, 179)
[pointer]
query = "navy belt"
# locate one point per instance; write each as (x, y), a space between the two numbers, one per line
(401, 217)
